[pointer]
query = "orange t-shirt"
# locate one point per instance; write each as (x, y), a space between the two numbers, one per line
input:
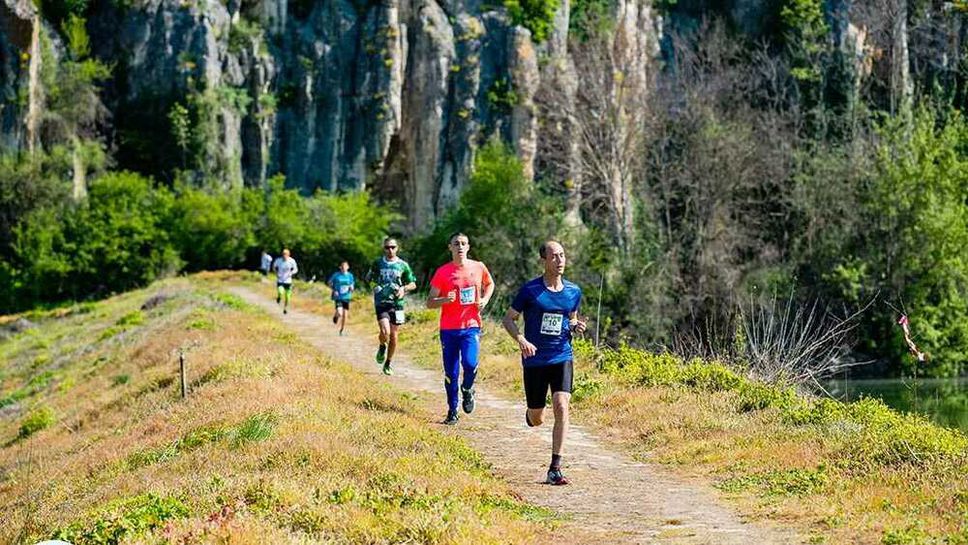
(468, 283)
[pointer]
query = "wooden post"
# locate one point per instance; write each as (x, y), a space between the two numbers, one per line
(181, 365)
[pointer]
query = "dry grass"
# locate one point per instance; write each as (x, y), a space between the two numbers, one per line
(274, 444)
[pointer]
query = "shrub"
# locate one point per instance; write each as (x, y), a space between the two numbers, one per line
(39, 419)
(534, 15)
(123, 519)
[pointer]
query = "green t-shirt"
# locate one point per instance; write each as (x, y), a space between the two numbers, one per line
(390, 276)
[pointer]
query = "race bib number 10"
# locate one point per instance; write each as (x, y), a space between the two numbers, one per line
(551, 323)
(467, 295)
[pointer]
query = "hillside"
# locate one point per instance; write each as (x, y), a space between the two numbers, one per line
(276, 440)
(275, 443)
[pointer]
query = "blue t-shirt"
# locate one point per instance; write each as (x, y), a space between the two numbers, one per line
(546, 323)
(342, 284)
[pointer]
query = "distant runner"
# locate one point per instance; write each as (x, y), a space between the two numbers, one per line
(265, 263)
(343, 284)
(461, 289)
(393, 278)
(550, 307)
(285, 268)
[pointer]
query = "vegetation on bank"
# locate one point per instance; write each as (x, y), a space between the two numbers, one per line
(856, 472)
(129, 231)
(98, 447)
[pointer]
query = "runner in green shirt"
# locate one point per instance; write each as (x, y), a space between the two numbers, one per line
(391, 278)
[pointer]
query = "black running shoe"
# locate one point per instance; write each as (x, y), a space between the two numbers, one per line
(285, 311)
(381, 354)
(556, 477)
(452, 418)
(278, 299)
(335, 318)
(527, 418)
(387, 368)
(467, 400)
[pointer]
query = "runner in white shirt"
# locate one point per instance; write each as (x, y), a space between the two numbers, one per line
(285, 268)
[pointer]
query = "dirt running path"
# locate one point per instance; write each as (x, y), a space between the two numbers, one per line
(612, 498)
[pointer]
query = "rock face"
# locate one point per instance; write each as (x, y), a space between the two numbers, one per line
(18, 58)
(393, 96)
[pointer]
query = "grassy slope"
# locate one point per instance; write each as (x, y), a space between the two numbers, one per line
(275, 443)
(842, 473)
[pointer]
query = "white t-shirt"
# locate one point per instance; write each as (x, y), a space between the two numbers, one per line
(285, 267)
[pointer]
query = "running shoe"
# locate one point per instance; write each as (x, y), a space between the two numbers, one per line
(527, 418)
(452, 417)
(381, 354)
(285, 311)
(387, 368)
(278, 299)
(467, 400)
(556, 477)
(335, 318)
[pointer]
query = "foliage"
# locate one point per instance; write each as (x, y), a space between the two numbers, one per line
(124, 519)
(590, 17)
(116, 240)
(38, 419)
(535, 15)
(501, 96)
(129, 232)
(214, 229)
(916, 216)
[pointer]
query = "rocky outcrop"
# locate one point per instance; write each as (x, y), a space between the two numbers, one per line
(392, 96)
(19, 61)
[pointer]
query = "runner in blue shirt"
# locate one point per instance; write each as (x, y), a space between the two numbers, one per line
(549, 304)
(343, 284)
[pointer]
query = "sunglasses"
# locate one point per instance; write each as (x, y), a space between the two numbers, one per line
(389, 247)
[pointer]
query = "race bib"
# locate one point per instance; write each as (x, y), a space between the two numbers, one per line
(467, 295)
(398, 316)
(344, 289)
(551, 323)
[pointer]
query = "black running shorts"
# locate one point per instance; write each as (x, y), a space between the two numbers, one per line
(537, 380)
(390, 312)
(344, 304)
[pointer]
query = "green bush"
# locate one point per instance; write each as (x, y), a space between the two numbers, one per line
(39, 419)
(214, 229)
(115, 240)
(534, 15)
(124, 519)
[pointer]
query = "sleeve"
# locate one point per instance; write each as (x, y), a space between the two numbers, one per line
(520, 303)
(408, 275)
(437, 281)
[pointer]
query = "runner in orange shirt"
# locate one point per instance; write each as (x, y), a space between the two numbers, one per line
(461, 289)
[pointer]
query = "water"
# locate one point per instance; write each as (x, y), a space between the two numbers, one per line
(943, 400)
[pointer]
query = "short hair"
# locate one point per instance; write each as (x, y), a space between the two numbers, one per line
(456, 234)
(543, 249)
(388, 239)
